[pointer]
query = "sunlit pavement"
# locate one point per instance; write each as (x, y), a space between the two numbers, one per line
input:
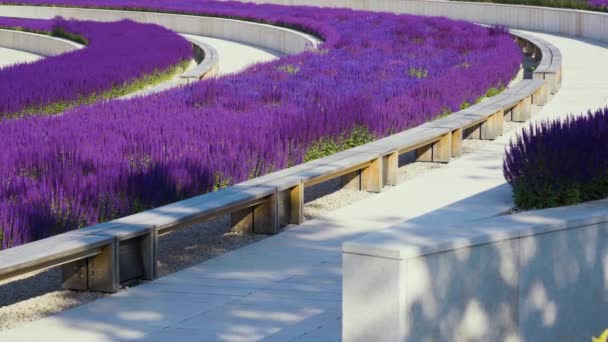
(288, 287)
(11, 56)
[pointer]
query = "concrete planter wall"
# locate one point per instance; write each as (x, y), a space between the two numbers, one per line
(536, 276)
(266, 36)
(576, 23)
(37, 44)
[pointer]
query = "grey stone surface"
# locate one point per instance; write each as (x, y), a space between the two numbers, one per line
(38, 44)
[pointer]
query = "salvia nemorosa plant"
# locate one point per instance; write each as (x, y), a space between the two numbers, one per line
(375, 74)
(599, 4)
(559, 162)
(118, 57)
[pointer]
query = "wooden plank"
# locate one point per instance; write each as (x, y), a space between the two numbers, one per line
(457, 143)
(51, 252)
(296, 195)
(391, 169)
(372, 176)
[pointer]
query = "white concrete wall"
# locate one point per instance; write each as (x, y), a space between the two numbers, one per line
(551, 20)
(270, 37)
(536, 276)
(37, 44)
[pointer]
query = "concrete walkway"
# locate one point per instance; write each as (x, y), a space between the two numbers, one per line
(233, 57)
(11, 56)
(288, 287)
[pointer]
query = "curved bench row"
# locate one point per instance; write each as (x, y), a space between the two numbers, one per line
(208, 60)
(38, 44)
(280, 39)
(264, 204)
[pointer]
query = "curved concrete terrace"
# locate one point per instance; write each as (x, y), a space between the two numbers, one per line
(269, 37)
(232, 57)
(288, 287)
(37, 44)
(12, 56)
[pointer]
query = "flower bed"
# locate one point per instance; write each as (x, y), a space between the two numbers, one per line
(120, 57)
(376, 74)
(557, 163)
(30, 25)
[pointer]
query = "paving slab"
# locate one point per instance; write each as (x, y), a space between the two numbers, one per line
(11, 56)
(288, 287)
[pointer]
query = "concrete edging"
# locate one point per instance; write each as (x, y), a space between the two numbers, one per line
(209, 65)
(577, 23)
(415, 282)
(271, 37)
(38, 44)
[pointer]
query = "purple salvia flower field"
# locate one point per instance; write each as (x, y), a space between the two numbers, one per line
(32, 25)
(117, 53)
(560, 162)
(600, 4)
(384, 72)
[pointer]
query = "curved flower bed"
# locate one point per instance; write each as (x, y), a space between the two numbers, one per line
(599, 4)
(120, 57)
(560, 162)
(30, 25)
(378, 73)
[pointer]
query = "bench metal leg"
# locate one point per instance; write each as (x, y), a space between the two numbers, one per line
(372, 176)
(493, 126)
(457, 143)
(391, 169)
(98, 273)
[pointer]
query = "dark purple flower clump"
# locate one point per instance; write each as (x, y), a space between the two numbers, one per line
(600, 4)
(117, 54)
(376, 71)
(32, 25)
(560, 162)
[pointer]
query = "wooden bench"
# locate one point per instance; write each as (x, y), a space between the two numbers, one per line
(550, 66)
(101, 257)
(208, 61)
(89, 261)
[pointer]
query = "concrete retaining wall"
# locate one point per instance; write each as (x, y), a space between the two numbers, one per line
(536, 276)
(270, 37)
(38, 44)
(586, 24)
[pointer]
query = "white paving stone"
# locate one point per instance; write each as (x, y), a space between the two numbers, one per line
(287, 287)
(12, 56)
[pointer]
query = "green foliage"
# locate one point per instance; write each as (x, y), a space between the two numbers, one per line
(495, 91)
(61, 33)
(418, 73)
(551, 196)
(289, 68)
(327, 146)
(117, 91)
